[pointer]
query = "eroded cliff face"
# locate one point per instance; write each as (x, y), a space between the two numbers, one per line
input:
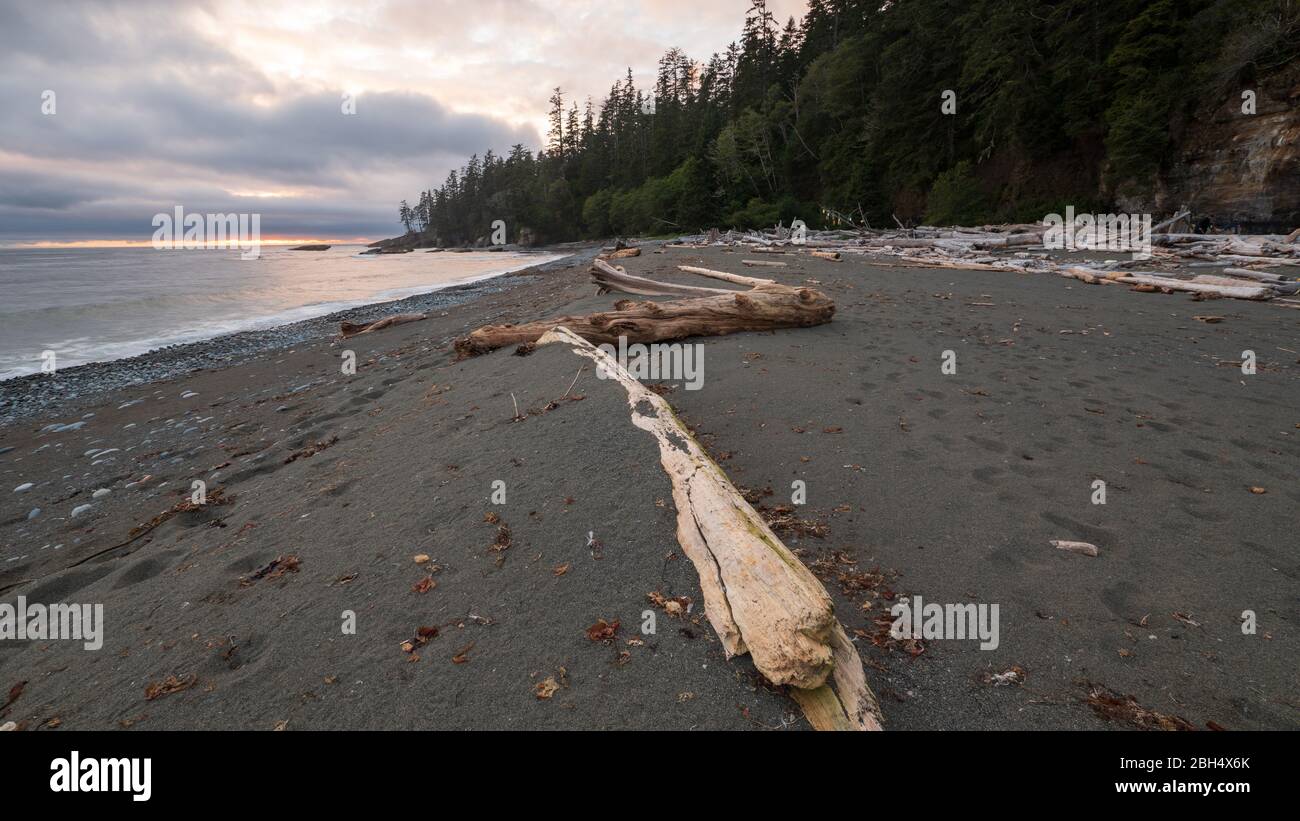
(1241, 170)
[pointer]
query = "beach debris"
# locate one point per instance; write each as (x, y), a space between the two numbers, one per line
(674, 607)
(561, 569)
(1082, 548)
(1257, 490)
(767, 305)
(216, 498)
(421, 558)
(311, 450)
(1186, 619)
(1209, 320)
(546, 688)
(603, 631)
(170, 684)
(758, 596)
(14, 693)
(423, 635)
(275, 569)
(424, 585)
(351, 329)
(504, 541)
(782, 520)
(1015, 675)
(462, 655)
(1112, 706)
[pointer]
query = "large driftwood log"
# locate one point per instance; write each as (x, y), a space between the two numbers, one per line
(758, 596)
(1235, 292)
(766, 306)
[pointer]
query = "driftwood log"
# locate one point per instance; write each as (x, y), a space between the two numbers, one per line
(758, 596)
(351, 329)
(766, 306)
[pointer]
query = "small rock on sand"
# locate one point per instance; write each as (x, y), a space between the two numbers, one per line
(1082, 548)
(101, 493)
(36, 511)
(23, 488)
(80, 509)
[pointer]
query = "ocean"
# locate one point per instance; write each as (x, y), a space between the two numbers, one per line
(101, 304)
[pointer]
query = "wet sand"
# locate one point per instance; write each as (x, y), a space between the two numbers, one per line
(946, 486)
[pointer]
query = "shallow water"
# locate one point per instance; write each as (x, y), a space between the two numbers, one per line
(101, 304)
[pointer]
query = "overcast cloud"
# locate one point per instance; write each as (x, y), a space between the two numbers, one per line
(227, 105)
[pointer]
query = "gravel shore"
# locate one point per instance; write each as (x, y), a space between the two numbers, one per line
(74, 387)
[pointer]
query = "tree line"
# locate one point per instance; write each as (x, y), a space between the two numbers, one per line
(871, 111)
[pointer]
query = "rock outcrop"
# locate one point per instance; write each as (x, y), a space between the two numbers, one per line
(1241, 171)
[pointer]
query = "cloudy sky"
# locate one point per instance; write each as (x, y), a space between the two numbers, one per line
(236, 106)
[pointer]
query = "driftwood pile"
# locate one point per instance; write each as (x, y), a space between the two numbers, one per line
(1207, 265)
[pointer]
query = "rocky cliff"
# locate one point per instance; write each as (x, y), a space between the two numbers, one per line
(1241, 169)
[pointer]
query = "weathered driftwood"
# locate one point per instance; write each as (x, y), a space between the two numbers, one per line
(762, 263)
(351, 329)
(766, 306)
(621, 253)
(758, 596)
(1233, 291)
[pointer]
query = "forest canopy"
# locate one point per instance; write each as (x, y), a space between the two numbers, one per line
(845, 116)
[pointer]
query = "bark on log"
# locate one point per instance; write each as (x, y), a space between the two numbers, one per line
(758, 596)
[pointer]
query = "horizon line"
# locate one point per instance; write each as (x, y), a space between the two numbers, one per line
(148, 243)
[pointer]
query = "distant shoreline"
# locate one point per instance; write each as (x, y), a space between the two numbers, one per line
(22, 397)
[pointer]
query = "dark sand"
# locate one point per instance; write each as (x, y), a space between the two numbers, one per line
(950, 486)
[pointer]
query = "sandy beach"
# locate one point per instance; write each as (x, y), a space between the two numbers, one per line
(372, 495)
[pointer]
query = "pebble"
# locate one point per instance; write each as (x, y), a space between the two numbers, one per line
(188, 394)
(80, 509)
(36, 511)
(101, 493)
(6, 449)
(23, 488)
